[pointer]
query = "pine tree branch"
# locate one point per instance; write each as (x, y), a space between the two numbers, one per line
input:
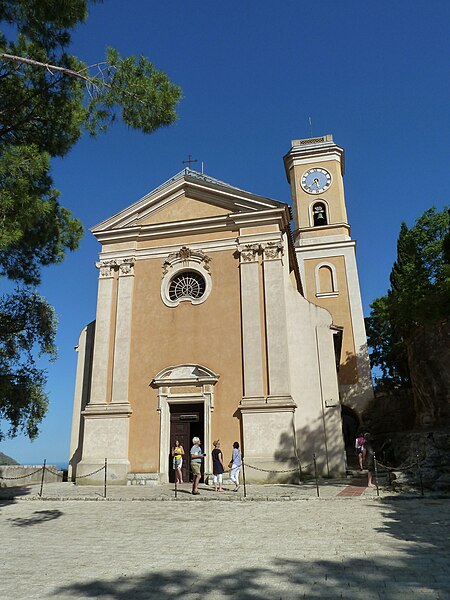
(54, 68)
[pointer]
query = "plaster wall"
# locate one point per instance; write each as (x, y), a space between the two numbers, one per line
(340, 309)
(182, 208)
(208, 334)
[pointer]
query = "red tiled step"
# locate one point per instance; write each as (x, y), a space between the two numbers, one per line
(352, 490)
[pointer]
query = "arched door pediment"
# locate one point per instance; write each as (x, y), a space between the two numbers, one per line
(184, 375)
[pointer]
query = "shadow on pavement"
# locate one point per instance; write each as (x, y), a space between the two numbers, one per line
(8, 495)
(387, 571)
(39, 516)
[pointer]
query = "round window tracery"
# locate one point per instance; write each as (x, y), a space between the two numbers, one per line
(187, 285)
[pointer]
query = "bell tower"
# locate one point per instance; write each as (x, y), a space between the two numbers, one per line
(326, 256)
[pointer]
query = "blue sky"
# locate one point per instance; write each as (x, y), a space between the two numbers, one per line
(374, 74)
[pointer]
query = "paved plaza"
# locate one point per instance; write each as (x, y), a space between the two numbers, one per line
(277, 543)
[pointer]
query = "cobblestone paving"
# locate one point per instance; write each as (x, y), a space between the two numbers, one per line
(320, 548)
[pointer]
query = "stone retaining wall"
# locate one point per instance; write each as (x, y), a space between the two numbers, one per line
(21, 475)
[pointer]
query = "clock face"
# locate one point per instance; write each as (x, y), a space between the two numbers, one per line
(316, 180)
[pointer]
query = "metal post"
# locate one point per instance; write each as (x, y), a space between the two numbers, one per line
(420, 474)
(315, 474)
(176, 488)
(243, 478)
(376, 472)
(299, 471)
(106, 471)
(299, 466)
(42, 478)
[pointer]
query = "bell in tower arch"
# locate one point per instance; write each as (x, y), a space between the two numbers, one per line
(319, 214)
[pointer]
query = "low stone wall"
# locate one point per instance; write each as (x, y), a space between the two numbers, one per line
(433, 448)
(19, 475)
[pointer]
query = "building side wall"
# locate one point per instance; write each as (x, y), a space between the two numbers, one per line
(314, 385)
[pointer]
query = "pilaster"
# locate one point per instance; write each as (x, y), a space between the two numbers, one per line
(276, 325)
(123, 331)
(251, 323)
(100, 365)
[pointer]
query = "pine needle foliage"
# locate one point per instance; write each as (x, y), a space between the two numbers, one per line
(48, 97)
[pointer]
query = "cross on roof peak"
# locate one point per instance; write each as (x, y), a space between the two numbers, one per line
(189, 161)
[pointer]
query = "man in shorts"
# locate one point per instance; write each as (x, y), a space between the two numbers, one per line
(196, 464)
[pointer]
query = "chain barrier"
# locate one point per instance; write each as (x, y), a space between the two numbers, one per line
(55, 473)
(89, 474)
(407, 468)
(302, 467)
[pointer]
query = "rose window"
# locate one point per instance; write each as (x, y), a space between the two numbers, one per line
(188, 284)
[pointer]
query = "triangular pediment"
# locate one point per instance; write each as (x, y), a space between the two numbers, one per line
(181, 208)
(187, 196)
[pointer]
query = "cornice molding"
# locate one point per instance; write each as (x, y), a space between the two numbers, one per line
(278, 216)
(343, 245)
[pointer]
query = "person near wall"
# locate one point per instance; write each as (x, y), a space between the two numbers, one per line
(196, 464)
(368, 457)
(177, 454)
(218, 469)
(235, 465)
(359, 449)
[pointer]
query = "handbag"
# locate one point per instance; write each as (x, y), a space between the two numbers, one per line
(230, 464)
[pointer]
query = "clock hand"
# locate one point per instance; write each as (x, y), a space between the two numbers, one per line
(315, 182)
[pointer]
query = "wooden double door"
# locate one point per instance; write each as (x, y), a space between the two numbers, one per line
(186, 422)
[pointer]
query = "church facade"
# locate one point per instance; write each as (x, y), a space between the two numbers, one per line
(216, 319)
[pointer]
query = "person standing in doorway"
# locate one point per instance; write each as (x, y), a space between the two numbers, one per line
(235, 464)
(217, 458)
(196, 464)
(177, 453)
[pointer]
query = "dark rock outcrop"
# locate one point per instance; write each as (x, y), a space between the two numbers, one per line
(429, 365)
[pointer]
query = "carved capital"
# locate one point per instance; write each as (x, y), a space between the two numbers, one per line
(126, 267)
(272, 250)
(106, 268)
(248, 253)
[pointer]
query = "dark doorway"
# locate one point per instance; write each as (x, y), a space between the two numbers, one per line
(186, 422)
(350, 427)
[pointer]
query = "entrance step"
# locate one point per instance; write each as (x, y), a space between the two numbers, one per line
(143, 479)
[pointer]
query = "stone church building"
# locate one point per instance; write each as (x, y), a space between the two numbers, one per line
(217, 318)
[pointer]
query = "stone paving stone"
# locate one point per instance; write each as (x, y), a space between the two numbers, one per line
(309, 547)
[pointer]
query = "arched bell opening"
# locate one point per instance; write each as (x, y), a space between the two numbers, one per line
(319, 214)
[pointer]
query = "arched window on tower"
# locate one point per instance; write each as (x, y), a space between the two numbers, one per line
(319, 211)
(326, 280)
